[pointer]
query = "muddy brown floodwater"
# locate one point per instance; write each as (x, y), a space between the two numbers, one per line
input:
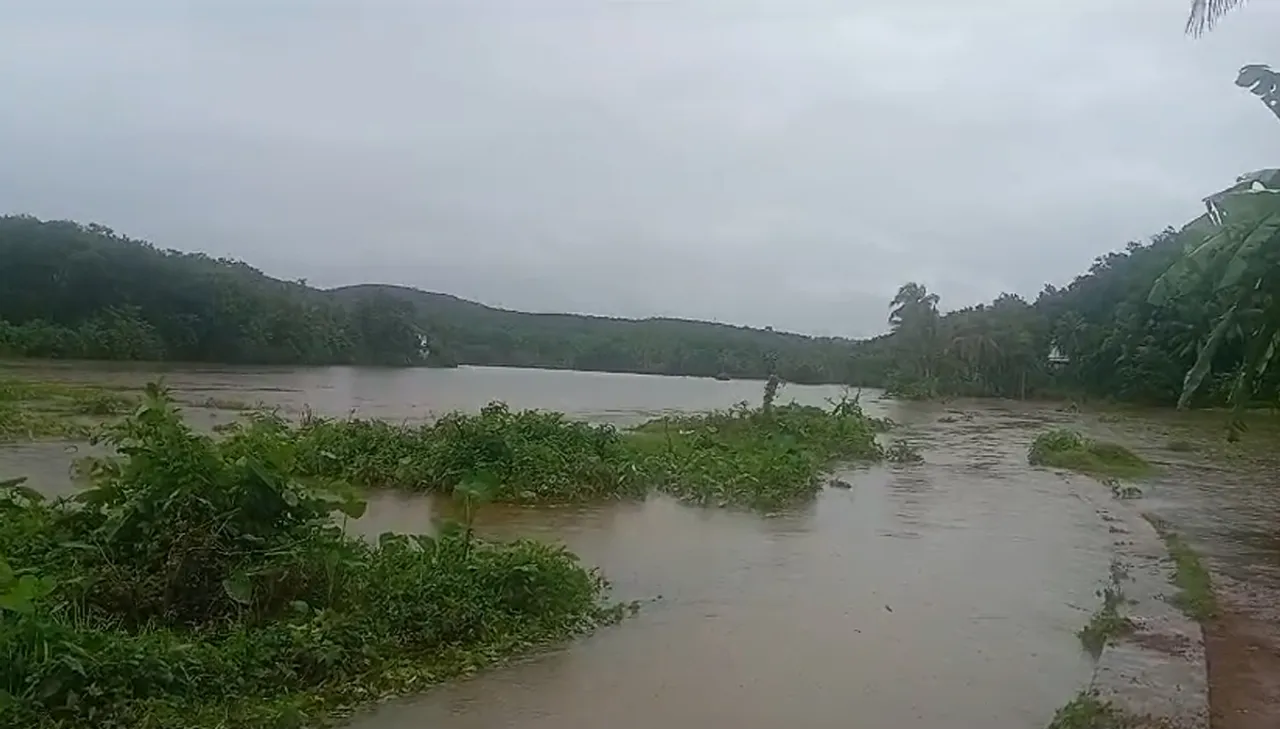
(940, 595)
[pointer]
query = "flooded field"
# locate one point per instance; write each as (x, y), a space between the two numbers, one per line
(944, 594)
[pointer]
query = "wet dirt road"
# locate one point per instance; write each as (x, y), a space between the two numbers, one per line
(1224, 499)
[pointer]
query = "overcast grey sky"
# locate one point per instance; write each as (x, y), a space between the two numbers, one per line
(762, 162)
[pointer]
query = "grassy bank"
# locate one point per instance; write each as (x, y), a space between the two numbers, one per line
(1063, 448)
(203, 582)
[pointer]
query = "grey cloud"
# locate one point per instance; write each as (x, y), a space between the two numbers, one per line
(782, 163)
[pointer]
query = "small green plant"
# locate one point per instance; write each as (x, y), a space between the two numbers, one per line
(771, 387)
(1064, 448)
(1088, 711)
(1195, 597)
(903, 452)
(1107, 623)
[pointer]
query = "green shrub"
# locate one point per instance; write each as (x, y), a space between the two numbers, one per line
(751, 457)
(203, 581)
(1063, 448)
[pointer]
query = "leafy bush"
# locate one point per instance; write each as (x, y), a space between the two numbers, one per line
(760, 457)
(204, 582)
(530, 455)
(752, 457)
(1063, 448)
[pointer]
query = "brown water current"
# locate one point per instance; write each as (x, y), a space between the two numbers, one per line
(944, 595)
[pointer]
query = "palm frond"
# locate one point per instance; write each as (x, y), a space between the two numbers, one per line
(1206, 13)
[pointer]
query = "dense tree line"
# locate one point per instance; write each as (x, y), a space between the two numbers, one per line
(1192, 315)
(483, 335)
(83, 291)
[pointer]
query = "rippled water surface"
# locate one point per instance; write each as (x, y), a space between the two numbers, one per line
(938, 596)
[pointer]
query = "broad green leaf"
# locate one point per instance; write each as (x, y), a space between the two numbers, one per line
(1195, 376)
(1260, 346)
(1265, 231)
(353, 507)
(15, 485)
(239, 588)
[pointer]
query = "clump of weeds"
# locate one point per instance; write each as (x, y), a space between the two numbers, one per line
(1088, 711)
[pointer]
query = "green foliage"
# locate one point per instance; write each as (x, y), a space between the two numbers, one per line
(1088, 711)
(743, 456)
(1195, 597)
(1234, 251)
(528, 455)
(84, 292)
(484, 335)
(203, 582)
(1063, 448)
(1107, 623)
(752, 457)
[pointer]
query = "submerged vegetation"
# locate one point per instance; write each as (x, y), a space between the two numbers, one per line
(1088, 711)
(204, 582)
(1107, 623)
(1195, 596)
(1063, 448)
(758, 457)
(761, 457)
(31, 410)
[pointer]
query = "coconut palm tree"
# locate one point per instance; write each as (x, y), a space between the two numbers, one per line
(1206, 13)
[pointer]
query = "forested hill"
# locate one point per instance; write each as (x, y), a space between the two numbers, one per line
(478, 334)
(86, 292)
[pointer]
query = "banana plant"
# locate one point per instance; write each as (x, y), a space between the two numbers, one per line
(1233, 250)
(1261, 80)
(1264, 83)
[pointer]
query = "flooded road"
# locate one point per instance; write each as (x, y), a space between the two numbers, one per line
(944, 594)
